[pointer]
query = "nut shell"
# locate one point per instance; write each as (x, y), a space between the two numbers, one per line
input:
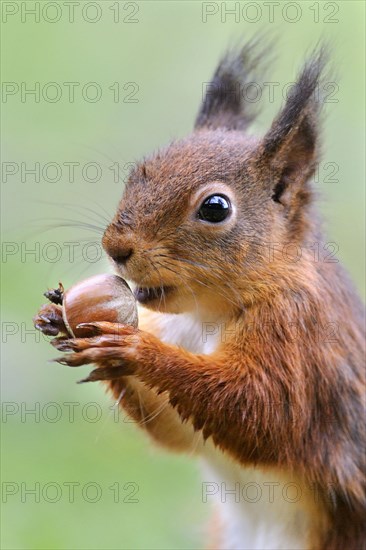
(99, 298)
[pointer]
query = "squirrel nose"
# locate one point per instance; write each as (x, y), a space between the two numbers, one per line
(121, 256)
(119, 246)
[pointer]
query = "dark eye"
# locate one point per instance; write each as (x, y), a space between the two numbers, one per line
(214, 209)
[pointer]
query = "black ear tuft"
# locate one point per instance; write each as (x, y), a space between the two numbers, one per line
(290, 149)
(224, 104)
(301, 108)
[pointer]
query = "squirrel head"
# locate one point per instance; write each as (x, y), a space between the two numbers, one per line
(196, 220)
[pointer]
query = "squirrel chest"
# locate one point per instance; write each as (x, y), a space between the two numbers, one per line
(258, 508)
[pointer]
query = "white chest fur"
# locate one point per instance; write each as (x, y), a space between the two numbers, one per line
(259, 509)
(190, 333)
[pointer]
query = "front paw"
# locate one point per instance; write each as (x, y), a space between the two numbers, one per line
(49, 320)
(113, 350)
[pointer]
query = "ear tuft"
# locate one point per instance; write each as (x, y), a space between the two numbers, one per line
(301, 108)
(290, 148)
(225, 104)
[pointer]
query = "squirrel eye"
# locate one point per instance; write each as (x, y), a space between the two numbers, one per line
(214, 209)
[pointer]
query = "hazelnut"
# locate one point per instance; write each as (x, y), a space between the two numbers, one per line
(99, 298)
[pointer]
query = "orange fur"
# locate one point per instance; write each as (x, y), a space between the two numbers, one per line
(282, 388)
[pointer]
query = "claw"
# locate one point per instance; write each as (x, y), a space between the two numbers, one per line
(62, 345)
(106, 373)
(55, 295)
(94, 376)
(87, 379)
(44, 319)
(60, 360)
(48, 330)
(90, 326)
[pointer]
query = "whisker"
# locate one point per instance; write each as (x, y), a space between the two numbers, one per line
(155, 413)
(162, 295)
(110, 159)
(111, 411)
(80, 207)
(184, 282)
(74, 224)
(218, 289)
(184, 260)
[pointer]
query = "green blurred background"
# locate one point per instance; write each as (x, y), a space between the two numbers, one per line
(166, 50)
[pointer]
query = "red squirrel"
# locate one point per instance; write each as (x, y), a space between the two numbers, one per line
(250, 347)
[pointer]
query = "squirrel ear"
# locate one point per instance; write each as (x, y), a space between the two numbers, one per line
(290, 148)
(224, 104)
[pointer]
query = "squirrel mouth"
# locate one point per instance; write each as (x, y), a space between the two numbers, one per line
(147, 294)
